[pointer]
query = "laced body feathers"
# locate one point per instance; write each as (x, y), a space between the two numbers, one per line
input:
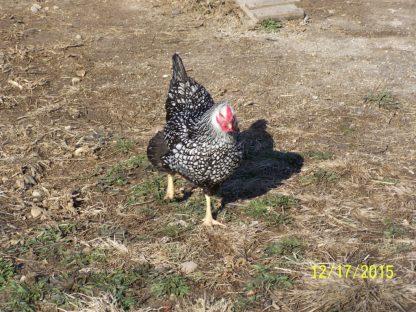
(197, 149)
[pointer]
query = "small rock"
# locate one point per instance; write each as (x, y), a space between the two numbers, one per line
(75, 80)
(36, 193)
(80, 72)
(20, 184)
(78, 37)
(181, 223)
(165, 76)
(46, 8)
(176, 12)
(162, 268)
(165, 239)
(55, 7)
(35, 8)
(75, 113)
(81, 150)
(315, 97)
(29, 180)
(67, 128)
(251, 293)
(35, 212)
(188, 267)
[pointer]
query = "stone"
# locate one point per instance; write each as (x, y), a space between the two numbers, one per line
(259, 10)
(188, 267)
(256, 4)
(35, 8)
(281, 12)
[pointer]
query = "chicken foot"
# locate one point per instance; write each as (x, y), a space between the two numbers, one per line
(209, 220)
(170, 191)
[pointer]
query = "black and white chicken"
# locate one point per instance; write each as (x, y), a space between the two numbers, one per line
(199, 140)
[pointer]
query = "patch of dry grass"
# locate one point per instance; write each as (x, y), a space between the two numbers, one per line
(84, 225)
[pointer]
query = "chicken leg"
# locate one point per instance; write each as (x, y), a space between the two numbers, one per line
(170, 191)
(209, 220)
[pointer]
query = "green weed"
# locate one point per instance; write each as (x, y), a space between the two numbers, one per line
(7, 271)
(264, 208)
(265, 279)
(383, 99)
(138, 161)
(82, 259)
(119, 173)
(273, 201)
(404, 248)
(193, 206)
(271, 25)
(150, 189)
(285, 247)
(321, 176)
(243, 303)
(21, 296)
(115, 232)
(124, 146)
(172, 230)
(394, 231)
(119, 283)
(49, 241)
(169, 285)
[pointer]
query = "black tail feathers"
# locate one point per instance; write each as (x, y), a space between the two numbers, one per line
(156, 149)
(179, 72)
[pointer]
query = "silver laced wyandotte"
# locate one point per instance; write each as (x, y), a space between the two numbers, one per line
(199, 139)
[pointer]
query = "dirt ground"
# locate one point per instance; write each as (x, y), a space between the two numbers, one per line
(327, 106)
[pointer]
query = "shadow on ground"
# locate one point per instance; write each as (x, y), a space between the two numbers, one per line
(262, 169)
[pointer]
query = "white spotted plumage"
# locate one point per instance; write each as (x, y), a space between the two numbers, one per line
(198, 149)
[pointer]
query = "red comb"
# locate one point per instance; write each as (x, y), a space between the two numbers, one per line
(229, 113)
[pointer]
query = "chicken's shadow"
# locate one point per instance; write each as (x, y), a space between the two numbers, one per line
(262, 168)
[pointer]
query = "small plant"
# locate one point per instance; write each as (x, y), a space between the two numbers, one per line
(150, 189)
(118, 173)
(265, 279)
(285, 247)
(394, 231)
(404, 248)
(318, 155)
(383, 99)
(273, 201)
(124, 146)
(7, 271)
(50, 240)
(264, 208)
(321, 176)
(82, 259)
(22, 296)
(243, 303)
(138, 161)
(173, 230)
(278, 219)
(170, 285)
(119, 283)
(192, 206)
(271, 25)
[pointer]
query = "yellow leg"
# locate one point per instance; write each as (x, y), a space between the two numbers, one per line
(170, 191)
(208, 220)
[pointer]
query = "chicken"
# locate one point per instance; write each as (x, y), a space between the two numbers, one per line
(199, 140)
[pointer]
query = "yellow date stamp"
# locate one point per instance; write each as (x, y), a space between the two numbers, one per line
(361, 271)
